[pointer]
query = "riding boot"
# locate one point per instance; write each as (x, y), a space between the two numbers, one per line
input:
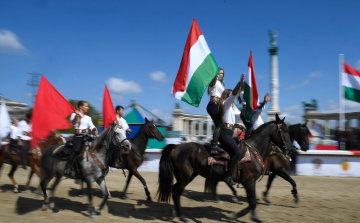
(228, 179)
(117, 160)
(248, 133)
(24, 159)
(215, 149)
(69, 165)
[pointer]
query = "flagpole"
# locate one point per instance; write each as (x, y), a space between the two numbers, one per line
(341, 95)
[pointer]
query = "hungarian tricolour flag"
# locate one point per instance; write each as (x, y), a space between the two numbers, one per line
(251, 95)
(351, 83)
(197, 69)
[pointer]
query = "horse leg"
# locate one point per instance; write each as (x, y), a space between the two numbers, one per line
(233, 198)
(265, 193)
(147, 192)
(28, 182)
(43, 185)
(283, 174)
(127, 184)
(105, 191)
(90, 206)
(11, 176)
(251, 196)
(178, 188)
(57, 181)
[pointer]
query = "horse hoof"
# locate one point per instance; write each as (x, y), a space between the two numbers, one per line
(44, 207)
(297, 203)
(183, 219)
(174, 213)
(97, 209)
(16, 190)
(234, 216)
(29, 192)
(126, 198)
(52, 205)
(270, 204)
(149, 199)
(93, 216)
(234, 199)
(219, 201)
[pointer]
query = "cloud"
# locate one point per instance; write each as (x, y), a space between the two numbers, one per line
(297, 109)
(333, 107)
(120, 86)
(305, 82)
(163, 115)
(316, 74)
(292, 119)
(260, 76)
(10, 44)
(357, 66)
(188, 108)
(158, 76)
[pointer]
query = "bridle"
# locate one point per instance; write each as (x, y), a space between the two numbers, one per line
(152, 132)
(284, 147)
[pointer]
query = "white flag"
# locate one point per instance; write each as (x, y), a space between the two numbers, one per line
(4, 121)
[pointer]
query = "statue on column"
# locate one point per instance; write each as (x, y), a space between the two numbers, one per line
(273, 35)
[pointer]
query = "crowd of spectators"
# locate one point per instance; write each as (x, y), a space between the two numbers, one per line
(350, 138)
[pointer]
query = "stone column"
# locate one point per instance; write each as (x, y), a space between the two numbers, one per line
(208, 127)
(192, 133)
(327, 128)
(200, 128)
(274, 79)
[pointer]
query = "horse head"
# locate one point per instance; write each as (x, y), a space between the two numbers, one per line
(59, 138)
(119, 137)
(282, 136)
(152, 131)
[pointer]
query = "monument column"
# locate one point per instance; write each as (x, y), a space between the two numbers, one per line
(274, 77)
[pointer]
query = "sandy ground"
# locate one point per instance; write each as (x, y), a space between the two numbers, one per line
(323, 199)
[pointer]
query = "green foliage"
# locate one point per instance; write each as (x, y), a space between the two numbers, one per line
(92, 112)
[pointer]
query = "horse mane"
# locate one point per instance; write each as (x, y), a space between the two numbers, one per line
(98, 141)
(284, 126)
(295, 131)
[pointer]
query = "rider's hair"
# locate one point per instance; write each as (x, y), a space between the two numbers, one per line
(81, 103)
(118, 108)
(224, 96)
(213, 82)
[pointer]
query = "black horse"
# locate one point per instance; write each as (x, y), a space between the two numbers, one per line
(279, 162)
(135, 157)
(188, 160)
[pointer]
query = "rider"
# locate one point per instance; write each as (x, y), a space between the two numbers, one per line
(215, 89)
(228, 112)
(122, 122)
(13, 133)
(256, 119)
(23, 134)
(81, 123)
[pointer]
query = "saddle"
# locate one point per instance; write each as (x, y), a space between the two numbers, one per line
(224, 158)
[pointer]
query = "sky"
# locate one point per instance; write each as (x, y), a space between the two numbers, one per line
(135, 47)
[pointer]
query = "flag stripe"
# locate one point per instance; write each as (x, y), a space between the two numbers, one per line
(351, 81)
(200, 80)
(352, 94)
(350, 70)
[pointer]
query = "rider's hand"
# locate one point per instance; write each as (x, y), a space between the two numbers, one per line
(20, 143)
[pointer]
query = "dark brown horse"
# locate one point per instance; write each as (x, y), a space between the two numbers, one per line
(188, 160)
(279, 162)
(33, 158)
(135, 157)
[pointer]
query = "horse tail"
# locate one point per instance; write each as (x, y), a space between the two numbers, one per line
(210, 185)
(166, 175)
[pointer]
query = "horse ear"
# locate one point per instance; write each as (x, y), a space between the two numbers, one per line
(146, 120)
(305, 123)
(277, 118)
(283, 119)
(113, 123)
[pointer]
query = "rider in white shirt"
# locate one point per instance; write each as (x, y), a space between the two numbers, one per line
(82, 123)
(122, 122)
(23, 134)
(229, 114)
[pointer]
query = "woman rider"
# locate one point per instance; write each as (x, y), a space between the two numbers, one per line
(81, 123)
(227, 111)
(215, 89)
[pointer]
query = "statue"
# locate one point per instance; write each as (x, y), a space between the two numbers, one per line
(177, 105)
(273, 35)
(313, 105)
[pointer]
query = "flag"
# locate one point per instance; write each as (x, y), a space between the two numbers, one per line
(4, 121)
(197, 68)
(251, 95)
(109, 114)
(351, 83)
(49, 113)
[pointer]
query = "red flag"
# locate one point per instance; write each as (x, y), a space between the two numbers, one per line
(109, 114)
(49, 113)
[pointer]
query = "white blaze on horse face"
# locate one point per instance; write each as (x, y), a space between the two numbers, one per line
(122, 137)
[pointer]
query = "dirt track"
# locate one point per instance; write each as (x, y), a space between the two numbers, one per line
(323, 199)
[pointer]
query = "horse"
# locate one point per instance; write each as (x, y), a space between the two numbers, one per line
(93, 167)
(135, 157)
(33, 158)
(278, 162)
(188, 160)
